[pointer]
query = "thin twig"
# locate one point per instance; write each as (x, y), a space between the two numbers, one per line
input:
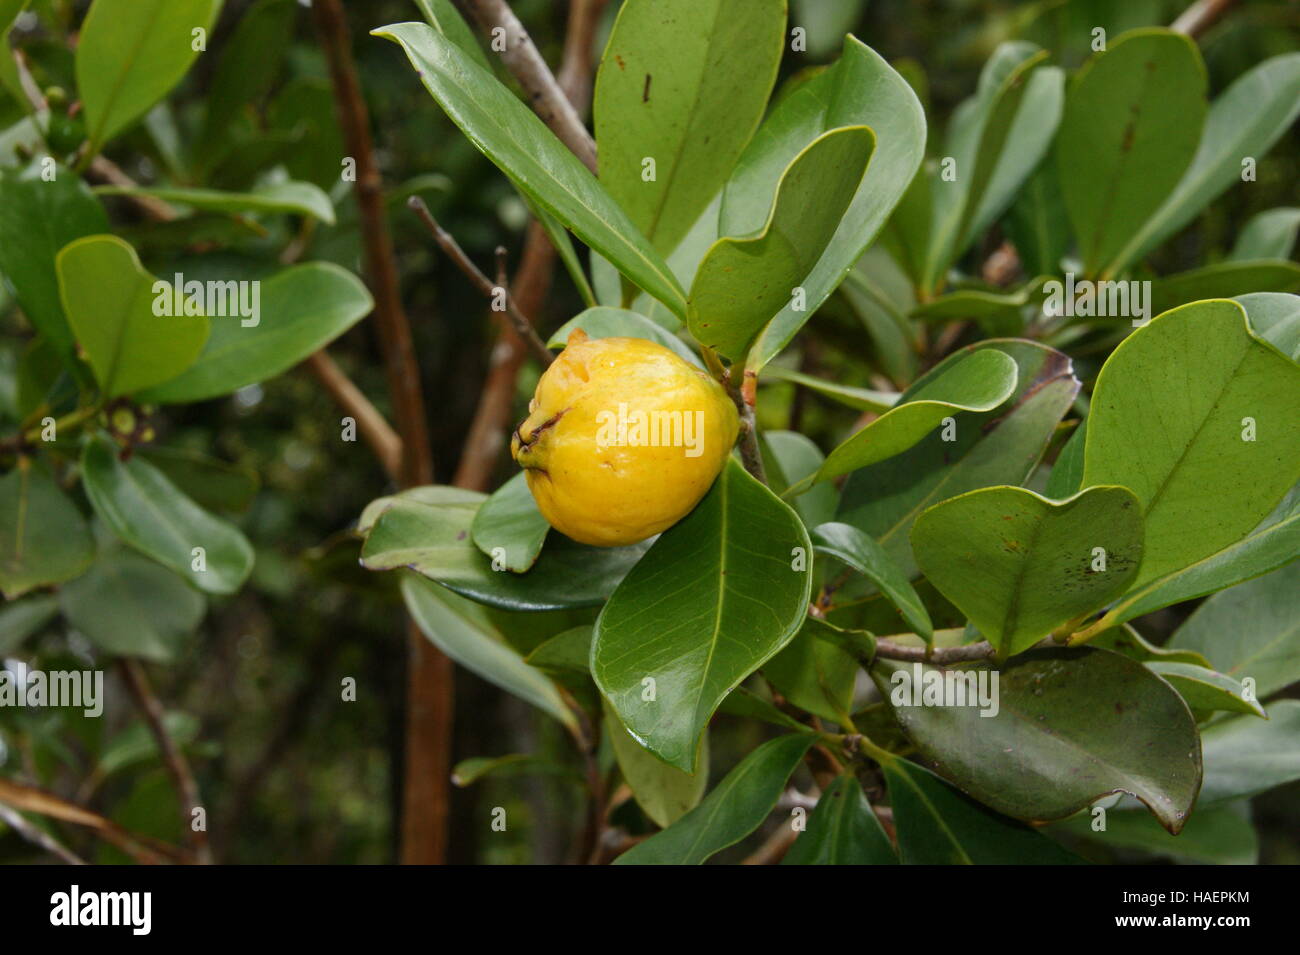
(496, 19)
(373, 426)
(522, 326)
(889, 650)
(1200, 16)
(427, 770)
(745, 397)
(178, 766)
(774, 848)
(107, 172)
(486, 439)
(38, 837)
(144, 849)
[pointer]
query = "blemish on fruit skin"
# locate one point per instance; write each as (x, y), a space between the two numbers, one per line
(645, 93)
(460, 536)
(619, 60)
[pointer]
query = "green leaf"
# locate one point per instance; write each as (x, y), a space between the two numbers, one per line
(1126, 640)
(1273, 543)
(469, 771)
(728, 599)
(1222, 835)
(25, 136)
(127, 605)
(130, 53)
(788, 458)
(1167, 422)
(432, 495)
(1245, 756)
(1066, 478)
(20, 619)
(136, 744)
(509, 134)
(1067, 726)
(559, 237)
(567, 652)
(980, 143)
(748, 705)
(685, 83)
(1250, 116)
(735, 808)
(1205, 690)
(109, 299)
(297, 311)
(43, 537)
(435, 542)
(1275, 317)
(1020, 565)
(250, 62)
(814, 675)
(936, 825)
(147, 511)
(996, 311)
(1133, 117)
(859, 89)
(1223, 280)
(842, 830)
(863, 399)
(1037, 114)
(1038, 224)
(1002, 446)
(850, 545)
(605, 322)
(295, 198)
(37, 219)
(859, 644)
(880, 295)
(978, 381)
(1267, 235)
(443, 17)
(663, 792)
(464, 631)
(743, 281)
(1251, 631)
(209, 482)
(510, 520)
(826, 23)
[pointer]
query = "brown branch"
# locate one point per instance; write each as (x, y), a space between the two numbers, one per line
(144, 849)
(374, 427)
(427, 769)
(178, 766)
(575, 74)
(889, 650)
(745, 397)
(522, 326)
(486, 438)
(774, 848)
(548, 100)
(1200, 16)
(107, 172)
(38, 837)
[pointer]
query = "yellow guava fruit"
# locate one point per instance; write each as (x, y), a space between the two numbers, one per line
(622, 439)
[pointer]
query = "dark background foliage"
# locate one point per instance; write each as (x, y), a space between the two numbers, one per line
(288, 771)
